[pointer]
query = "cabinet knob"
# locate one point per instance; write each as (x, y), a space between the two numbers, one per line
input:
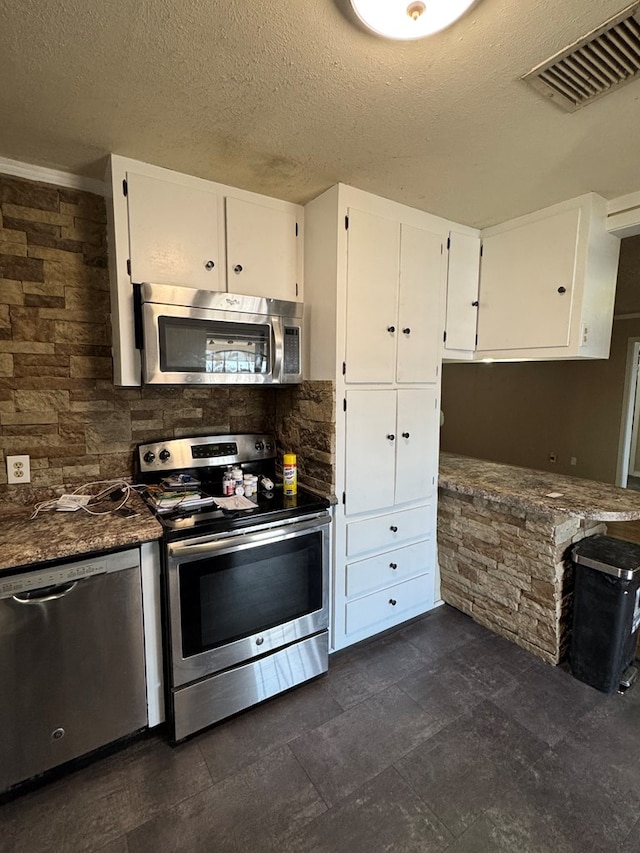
(392, 602)
(237, 269)
(475, 303)
(393, 528)
(391, 437)
(405, 435)
(391, 329)
(209, 265)
(393, 565)
(562, 290)
(406, 331)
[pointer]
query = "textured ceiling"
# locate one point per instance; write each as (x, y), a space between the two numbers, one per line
(287, 97)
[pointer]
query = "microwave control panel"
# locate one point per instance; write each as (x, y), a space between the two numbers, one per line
(291, 359)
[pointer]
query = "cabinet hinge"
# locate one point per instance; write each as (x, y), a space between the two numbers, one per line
(444, 336)
(476, 340)
(125, 187)
(344, 405)
(344, 497)
(481, 249)
(296, 229)
(344, 368)
(129, 266)
(346, 223)
(448, 242)
(296, 288)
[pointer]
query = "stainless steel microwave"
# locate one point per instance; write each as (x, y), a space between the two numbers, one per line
(202, 337)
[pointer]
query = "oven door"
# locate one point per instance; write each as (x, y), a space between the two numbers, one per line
(192, 346)
(239, 596)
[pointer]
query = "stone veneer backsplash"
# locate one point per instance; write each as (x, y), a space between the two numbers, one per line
(58, 403)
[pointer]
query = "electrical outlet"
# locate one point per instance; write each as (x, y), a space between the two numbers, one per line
(573, 460)
(18, 469)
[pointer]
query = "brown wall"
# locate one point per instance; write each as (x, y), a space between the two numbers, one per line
(519, 413)
(57, 399)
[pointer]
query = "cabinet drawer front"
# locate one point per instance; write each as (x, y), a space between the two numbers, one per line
(410, 597)
(388, 568)
(385, 531)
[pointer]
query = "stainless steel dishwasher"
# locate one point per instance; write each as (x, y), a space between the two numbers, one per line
(71, 662)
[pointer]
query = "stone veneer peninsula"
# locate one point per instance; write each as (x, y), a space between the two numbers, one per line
(504, 535)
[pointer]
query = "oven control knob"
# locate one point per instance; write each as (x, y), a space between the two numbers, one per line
(259, 445)
(164, 455)
(259, 641)
(149, 456)
(269, 446)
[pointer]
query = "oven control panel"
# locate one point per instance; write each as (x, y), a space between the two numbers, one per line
(204, 451)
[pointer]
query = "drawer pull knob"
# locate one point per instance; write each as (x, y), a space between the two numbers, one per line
(405, 435)
(237, 269)
(391, 329)
(391, 437)
(406, 331)
(209, 265)
(392, 602)
(393, 528)
(562, 290)
(393, 565)
(475, 303)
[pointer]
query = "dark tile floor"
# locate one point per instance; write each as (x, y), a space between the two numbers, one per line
(438, 736)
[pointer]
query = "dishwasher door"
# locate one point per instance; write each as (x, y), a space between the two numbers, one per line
(72, 674)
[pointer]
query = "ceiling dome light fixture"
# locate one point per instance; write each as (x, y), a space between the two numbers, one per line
(400, 19)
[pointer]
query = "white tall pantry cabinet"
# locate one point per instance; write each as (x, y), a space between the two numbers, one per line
(375, 275)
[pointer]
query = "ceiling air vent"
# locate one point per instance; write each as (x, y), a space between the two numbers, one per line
(605, 59)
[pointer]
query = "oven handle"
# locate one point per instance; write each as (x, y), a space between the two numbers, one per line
(213, 544)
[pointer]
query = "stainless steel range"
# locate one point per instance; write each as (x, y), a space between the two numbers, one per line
(246, 590)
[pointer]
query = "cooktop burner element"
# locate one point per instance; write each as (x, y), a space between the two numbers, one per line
(203, 460)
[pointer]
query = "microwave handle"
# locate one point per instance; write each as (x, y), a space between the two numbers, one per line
(277, 346)
(138, 335)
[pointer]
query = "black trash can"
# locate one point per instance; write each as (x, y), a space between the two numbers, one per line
(606, 612)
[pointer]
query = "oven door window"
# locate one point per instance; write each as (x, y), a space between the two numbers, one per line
(226, 597)
(206, 346)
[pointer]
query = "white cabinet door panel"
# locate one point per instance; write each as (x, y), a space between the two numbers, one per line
(261, 250)
(463, 279)
(528, 308)
(372, 286)
(417, 445)
(419, 308)
(173, 234)
(370, 453)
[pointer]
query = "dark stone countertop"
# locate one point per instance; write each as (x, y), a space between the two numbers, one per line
(527, 490)
(58, 535)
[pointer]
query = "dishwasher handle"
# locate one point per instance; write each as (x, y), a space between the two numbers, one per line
(50, 593)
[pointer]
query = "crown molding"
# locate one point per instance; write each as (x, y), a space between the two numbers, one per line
(51, 176)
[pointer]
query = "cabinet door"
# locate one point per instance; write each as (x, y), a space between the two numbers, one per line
(373, 255)
(526, 284)
(419, 305)
(370, 449)
(173, 234)
(463, 279)
(416, 444)
(262, 250)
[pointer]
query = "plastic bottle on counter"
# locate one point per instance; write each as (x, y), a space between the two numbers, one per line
(289, 474)
(228, 483)
(248, 485)
(236, 473)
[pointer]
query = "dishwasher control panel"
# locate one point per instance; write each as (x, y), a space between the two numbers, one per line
(12, 584)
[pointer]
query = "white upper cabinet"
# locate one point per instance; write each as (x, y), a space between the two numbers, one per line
(394, 286)
(173, 233)
(168, 228)
(546, 287)
(373, 255)
(463, 282)
(262, 249)
(528, 284)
